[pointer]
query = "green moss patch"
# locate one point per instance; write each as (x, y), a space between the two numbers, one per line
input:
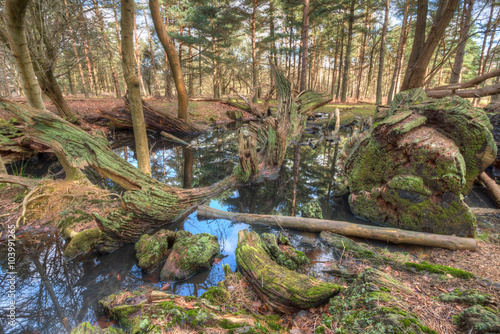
(479, 320)
(83, 243)
(440, 269)
(154, 249)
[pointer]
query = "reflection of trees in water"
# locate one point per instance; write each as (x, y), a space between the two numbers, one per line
(275, 196)
(45, 279)
(213, 158)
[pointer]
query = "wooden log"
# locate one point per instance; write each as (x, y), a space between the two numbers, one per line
(156, 120)
(387, 234)
(285, 290)
(491, 187)
(485, 211)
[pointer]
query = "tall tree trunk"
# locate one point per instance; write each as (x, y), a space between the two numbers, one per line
(254, 49)
(403, 37)
(89, 67)
(335, 61)
(464, 36)
(305, 46)
(422, 52)
(134, 85)
(6, 80)
(190, 76)
(153, 60)
(363, 50)
(382, 55)
(175, 65)
(15, 19)
(341, 61)
(117, 28)
(75, 51)
(138, 60)
(347, 66)
(108, 50)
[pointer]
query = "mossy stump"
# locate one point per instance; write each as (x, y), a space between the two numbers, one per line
(190, 255)
(283, 289)
(154, 249)
(235, 114)
(412, 170)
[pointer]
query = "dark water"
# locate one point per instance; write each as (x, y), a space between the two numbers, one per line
(77, 286)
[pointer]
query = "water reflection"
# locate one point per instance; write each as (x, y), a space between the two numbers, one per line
(46, 279)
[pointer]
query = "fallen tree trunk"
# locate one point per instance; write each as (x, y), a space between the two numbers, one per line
(471, 83)
(491, 187)
(155, 120)
(485, 211)
(466, 93)
(146, 203)
(393, 235)
(226, 102)
(285, 290)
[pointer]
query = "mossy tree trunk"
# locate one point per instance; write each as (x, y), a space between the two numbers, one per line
(134, 86)
(15, 19)
(147, 203)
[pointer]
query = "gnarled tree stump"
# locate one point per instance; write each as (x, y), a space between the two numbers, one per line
(412, 170)
(282, 288)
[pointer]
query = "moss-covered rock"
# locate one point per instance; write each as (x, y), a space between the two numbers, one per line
(280, 251)
(83, 243)
(87, 328)
(478, 319)
(154, 249)
(414, 167)
(189, 256)
(368, 306)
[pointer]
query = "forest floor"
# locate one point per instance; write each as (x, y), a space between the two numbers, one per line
(426, 286)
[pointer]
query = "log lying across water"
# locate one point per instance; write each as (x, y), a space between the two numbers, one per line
(388, 234)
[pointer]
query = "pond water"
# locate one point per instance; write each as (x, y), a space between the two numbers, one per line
(54, 294)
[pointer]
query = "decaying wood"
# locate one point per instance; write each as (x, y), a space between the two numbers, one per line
(285, 290)
(491, 187)
(271, 137)
(155, 120)
(393, 235)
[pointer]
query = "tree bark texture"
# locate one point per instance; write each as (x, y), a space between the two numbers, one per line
(134, 86)
(15, 19)
(347, 66)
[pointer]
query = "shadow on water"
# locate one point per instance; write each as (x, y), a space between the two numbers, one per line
(54, 294)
